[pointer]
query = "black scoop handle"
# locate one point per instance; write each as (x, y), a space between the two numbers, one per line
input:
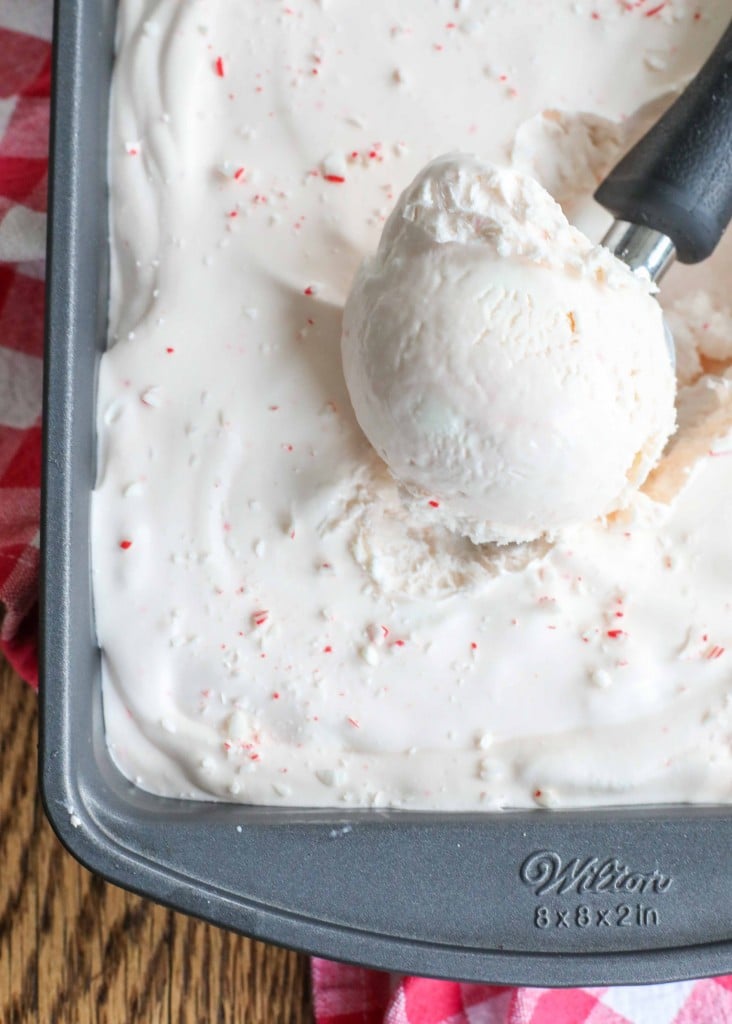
(678, 178)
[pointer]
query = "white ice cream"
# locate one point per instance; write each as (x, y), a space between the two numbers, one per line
(276, 625)
(514, 377)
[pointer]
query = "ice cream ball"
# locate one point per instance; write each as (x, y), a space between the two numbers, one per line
(513, 376)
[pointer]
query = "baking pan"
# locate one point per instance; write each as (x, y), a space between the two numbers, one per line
(531, 898)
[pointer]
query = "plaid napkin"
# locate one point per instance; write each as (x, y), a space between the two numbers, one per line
(342, 995)
(353, 995)
(25, 70)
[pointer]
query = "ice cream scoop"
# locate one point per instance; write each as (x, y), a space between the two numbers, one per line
(513, 376)
(672, 192)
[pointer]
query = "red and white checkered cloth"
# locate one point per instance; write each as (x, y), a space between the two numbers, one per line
(25, 70)
(353, 995)
(342, 995)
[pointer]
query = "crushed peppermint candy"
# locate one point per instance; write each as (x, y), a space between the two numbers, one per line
(333, 167)
(546, 797)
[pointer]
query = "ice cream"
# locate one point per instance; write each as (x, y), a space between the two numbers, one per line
(514, 377)
(276, 624)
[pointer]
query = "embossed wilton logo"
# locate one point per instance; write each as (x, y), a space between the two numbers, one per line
(546, 872)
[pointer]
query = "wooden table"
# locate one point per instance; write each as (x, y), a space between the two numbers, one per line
(76, 950)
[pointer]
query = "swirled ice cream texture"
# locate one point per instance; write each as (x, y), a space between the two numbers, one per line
(275, 625)
(513, 376)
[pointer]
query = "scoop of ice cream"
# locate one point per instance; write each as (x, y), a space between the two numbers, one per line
(513, 376)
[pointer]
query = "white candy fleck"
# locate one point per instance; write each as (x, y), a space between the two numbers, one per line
(332, 776)
(370, 654)
(601, 678)
(237, 727)
(334, 165)
(546, 797)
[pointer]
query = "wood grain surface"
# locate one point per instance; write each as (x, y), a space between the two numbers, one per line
(76, 950)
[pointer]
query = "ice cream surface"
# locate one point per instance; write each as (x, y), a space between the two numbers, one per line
(510, 373)
(276, 625)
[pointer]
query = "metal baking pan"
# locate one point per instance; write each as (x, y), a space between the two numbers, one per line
(533, 898)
